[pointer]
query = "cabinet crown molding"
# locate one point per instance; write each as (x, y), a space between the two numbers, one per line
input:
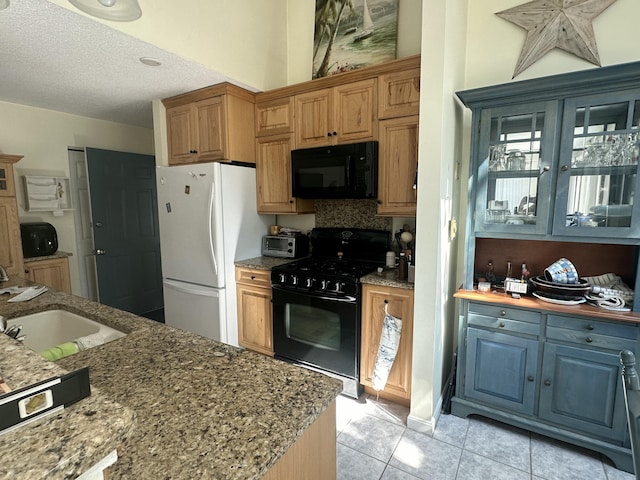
(6, 158)
(595, 80)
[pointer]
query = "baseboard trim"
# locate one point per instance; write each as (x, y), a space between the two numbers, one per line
(425, 426)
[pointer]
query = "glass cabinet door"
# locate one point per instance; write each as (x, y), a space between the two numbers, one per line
(514, 176)
(7, 189)
(598, 167)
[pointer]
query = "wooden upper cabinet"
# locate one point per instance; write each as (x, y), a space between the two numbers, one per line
(211, 124)
(7, 182)
(399, 94)
(273, 177)
(341, 114)
(397, 166)
(274, 117)
(211, 129)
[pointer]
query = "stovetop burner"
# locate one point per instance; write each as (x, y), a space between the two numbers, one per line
(339, 258)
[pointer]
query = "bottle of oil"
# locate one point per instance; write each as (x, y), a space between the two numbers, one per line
(402, 267)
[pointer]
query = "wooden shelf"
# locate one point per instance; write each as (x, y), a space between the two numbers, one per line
(583, 310)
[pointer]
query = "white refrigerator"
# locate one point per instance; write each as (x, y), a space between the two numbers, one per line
(208, 220)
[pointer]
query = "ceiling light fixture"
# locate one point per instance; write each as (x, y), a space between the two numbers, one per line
(4, 4)
(152, 62)
(115, 10)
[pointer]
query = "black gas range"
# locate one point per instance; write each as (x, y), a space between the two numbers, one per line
(316, 302)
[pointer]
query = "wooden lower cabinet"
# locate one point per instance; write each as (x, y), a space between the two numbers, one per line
(54, 273)
(10, 242)
(313, 456)
(253, 289)
(555, 374)
(399, 303)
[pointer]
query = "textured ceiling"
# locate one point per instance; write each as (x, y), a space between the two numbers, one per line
(54, 58)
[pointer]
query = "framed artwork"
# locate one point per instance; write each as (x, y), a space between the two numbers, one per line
(351, 34)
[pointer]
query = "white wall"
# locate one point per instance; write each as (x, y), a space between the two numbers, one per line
(443, 34)
(42, 137)
(242, 39)
(494, 44)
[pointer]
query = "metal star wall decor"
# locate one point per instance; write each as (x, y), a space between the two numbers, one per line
(563, 24)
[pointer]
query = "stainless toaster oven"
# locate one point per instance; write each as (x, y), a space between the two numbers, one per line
(285, 246)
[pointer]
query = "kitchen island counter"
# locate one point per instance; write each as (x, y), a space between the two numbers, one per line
(204, 409)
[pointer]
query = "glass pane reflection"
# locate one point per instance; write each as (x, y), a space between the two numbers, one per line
(603, 166)
(514, 165)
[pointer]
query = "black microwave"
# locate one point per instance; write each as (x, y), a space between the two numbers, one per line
(340, 171)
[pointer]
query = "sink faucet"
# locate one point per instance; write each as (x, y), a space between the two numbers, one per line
(3, 274)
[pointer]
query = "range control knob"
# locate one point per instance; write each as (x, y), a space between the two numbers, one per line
(283, 278)
(294, 279)
(324, 284)
(338, 286)
(309, 282)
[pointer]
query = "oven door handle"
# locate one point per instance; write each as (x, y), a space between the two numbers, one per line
(345, 299)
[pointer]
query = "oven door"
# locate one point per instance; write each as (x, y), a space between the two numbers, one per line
(316, 330)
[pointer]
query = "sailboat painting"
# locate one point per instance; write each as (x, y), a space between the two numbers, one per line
(351, 34)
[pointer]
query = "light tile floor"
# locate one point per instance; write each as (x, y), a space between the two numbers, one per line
(374, 444)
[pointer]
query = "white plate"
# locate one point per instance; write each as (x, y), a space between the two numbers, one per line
(559, 302)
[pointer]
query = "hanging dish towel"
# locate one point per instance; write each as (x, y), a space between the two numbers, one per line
(389, 341)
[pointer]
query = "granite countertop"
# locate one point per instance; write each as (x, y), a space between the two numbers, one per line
(62, 445)
(58, 254)
(388, 278)
(263, 263)
(204, 409)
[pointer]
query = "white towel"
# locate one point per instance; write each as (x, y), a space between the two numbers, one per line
(90, 341)
(389, 341)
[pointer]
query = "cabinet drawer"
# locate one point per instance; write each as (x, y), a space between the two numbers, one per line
(590, 339)
(500, 311)
(248, 276)
(504, 324)
(590, 326)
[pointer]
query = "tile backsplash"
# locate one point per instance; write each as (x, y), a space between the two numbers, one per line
(350, 214)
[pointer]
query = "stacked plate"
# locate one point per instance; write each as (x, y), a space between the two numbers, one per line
(560, 293)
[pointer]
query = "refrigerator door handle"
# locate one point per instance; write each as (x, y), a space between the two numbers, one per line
(211, 242)
(192, 290)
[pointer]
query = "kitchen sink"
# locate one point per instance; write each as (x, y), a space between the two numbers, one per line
(51, 328)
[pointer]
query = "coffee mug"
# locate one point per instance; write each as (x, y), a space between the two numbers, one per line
(561, 271)
(274, 229)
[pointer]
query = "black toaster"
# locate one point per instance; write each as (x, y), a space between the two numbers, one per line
(38, 239)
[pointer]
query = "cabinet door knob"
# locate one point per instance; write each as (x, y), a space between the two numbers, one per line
(564, 168)
(589, 327)
(502, 313)
(501, 325)
(253, 277)
(547, 382)
(328, 134)
(334, 133)
(530, 378)
(589, 339)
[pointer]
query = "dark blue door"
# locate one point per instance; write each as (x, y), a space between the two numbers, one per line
(125, 228)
